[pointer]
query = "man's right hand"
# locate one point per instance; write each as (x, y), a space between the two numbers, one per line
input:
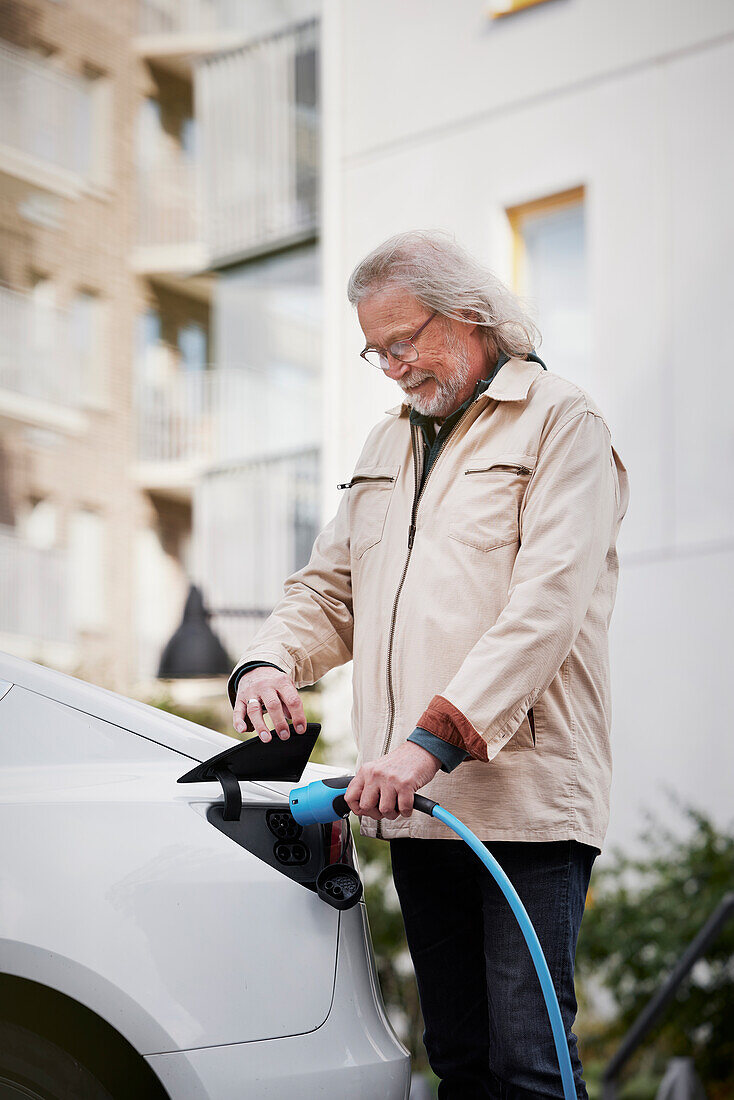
(270, 688)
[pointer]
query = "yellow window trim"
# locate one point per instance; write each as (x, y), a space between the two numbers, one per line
(517, 215)
(500, 8)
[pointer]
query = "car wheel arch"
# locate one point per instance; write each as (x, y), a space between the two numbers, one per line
(81, 1032)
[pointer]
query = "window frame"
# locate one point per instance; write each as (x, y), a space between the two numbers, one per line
(518, 214)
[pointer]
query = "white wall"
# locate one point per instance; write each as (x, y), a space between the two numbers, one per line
(440, 118)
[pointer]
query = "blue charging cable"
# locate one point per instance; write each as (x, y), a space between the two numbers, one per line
(317, 803)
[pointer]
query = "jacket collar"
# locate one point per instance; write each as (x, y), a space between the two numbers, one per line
(509, 384)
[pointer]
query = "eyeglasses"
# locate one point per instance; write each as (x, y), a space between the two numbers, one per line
(403, 350)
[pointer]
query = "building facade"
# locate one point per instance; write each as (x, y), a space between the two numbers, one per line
(160, 298)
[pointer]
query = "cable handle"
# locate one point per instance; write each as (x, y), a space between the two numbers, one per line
(341, 782)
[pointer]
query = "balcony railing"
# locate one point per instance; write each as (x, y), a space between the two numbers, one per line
(259, 125)
(254, 523)
(190, 16)
(34, 589)
(197, 418)
(168, 204)
(46, 114)
(36, 357)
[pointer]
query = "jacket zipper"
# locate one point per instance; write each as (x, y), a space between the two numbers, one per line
(418, 493)
(500, 466)
(359, 477)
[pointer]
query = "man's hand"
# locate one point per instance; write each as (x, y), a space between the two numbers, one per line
(273, 689)
(385, 787)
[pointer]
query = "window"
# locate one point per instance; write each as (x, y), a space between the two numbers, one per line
(38, 523)
(192, 344)
(148, 134)
(88, 346)
(550, 270)
(148, 340)
(87, 546)
(98, 125)
(43, 328)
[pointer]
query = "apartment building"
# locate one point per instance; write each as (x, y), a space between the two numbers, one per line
(580, 147)
(68, 305)
(158, 360)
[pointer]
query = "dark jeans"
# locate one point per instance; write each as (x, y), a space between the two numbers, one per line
(487, 1030)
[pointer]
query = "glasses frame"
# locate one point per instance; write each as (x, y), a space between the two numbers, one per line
(387, 351)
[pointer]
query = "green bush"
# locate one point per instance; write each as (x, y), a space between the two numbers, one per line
(642, 913)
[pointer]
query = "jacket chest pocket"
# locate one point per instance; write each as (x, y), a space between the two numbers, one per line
(370, 492)
(486, 514)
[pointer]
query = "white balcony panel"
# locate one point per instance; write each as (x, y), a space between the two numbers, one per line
(40, 377)
(168, 218)
(34, 590)
(210, 20)
(46, 119)
(188, 16)
(259, 119)
(254, 524)
(197, 418)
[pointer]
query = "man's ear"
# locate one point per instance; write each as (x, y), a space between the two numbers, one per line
(471, 317)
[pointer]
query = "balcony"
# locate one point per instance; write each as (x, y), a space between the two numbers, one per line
(174, 33)
(34, 594)
(253, 524)
(193, 420)
(260, 162)
(40, 382)
(169, 233)
(45, 124)
(189, 17)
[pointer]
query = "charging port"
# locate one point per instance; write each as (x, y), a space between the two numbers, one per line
(339, 885)
(283, 825)
(293, 852)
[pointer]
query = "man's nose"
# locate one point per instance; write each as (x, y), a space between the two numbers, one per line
(397, 368)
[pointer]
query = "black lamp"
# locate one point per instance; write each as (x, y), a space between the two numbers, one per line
(194, 650)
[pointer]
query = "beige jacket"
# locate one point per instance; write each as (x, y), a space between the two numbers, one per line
(481, 612)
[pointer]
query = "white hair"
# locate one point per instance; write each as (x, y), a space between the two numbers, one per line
(444, 277)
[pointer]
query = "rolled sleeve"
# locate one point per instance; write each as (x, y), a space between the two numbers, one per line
(449, 755)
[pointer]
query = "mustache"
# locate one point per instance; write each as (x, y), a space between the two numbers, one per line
(416, 381)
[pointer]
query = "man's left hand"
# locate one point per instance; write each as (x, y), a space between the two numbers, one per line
(385, 787)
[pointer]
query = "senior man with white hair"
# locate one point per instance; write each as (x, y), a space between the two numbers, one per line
(470, 573)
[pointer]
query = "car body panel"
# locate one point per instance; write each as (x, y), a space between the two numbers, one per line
(355, 1054)
(133, 870)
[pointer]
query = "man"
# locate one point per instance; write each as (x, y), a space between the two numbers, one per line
(470, 573)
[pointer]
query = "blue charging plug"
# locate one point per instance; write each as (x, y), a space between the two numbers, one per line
(317, 803)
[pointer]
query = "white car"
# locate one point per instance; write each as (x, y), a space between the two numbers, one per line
(157, 940)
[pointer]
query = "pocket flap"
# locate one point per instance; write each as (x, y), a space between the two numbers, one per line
(389, 472)
(521, 462)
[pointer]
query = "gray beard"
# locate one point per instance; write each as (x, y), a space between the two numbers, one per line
(445, 398)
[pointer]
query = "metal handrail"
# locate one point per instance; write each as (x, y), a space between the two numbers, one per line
(653, 1009)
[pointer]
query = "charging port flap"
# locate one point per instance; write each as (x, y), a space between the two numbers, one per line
(255, 759)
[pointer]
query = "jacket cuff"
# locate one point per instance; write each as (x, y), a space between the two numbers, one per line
(442, 718)
(448, 755)
(235, 678)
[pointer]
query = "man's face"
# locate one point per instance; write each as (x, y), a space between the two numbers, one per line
(450, 360)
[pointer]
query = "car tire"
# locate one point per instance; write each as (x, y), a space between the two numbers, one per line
(34, 1068)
